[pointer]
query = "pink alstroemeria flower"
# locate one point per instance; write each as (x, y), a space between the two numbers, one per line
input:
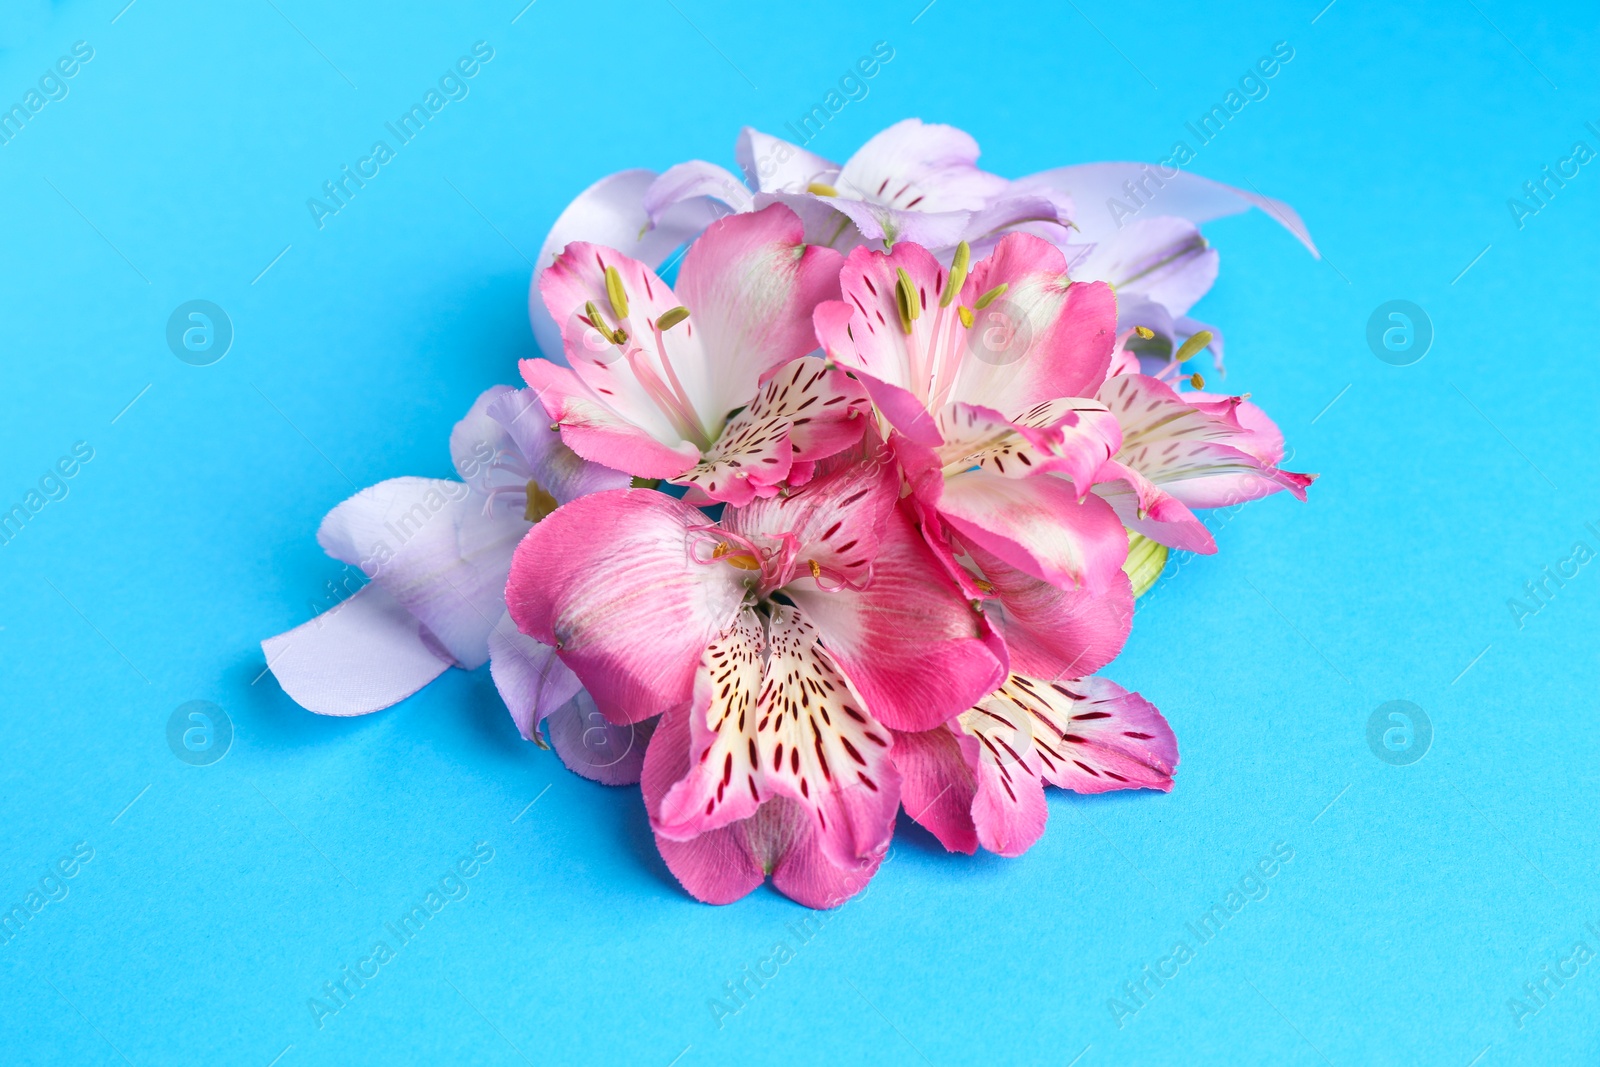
(1186, 450)
(983, 375)
(980, 779)
(782, 645)
(709, 386)
(437, 553)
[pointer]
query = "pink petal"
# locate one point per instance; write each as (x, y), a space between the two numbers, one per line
(1043, 338)
(1095, 186)
(628, 374)
(772, 717)
(837, 324)
(1008, 810)
(1056, 336)
(600, 433)
(937, 787)
(592, 746)
(914, 649)
(751, 283)
(609, 581)
(429, 544)
(724, 865)
(532, 680)
(1071, 436)
(1052, 632)
(837, 521)
(1093, 736)
(364, 654)
(560, 471)
(1146, 508)
(611, 213)
(1192, 450)
(1038, 525)
(807, 410)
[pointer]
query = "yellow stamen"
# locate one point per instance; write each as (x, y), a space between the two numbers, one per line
(1197, 380)
(966, 315)
(816, 569)
(958, 274)
(905, 300)
(822, 190)
(991, 296)
(1192, 346)
(671, 318)
(1144, 331)
(743, 560)
(592, 313)
(618, 295)
(540, 502)
(985, 586)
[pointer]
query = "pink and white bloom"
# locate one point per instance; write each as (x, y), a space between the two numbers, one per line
(437, 553)
(1186, 450)
(980, 779)
(708, 386)
(781, 645)
(984, 376)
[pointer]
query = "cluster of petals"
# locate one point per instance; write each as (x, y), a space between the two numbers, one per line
(833, 524)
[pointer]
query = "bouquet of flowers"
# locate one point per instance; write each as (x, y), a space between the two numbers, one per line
(845, 517)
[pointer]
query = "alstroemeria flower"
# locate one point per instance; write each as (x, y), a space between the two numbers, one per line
(914, 182)
(1186, 450)
(437, 553)
(980, 780)
(782, 645)
(982, 375)
(705, 386)
(911, 182)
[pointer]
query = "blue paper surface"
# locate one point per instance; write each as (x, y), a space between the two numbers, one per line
(1430, 911)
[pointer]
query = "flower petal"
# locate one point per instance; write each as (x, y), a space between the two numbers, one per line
(913, 648)
(532, 680)
(364, 654)
(772, 716)
(590, 745)
(559, 471)
(600, 433)
(917, 166)
(1193, 450)
(776, 166)
(1164, 260)
(693, 180)
(1097, 189)
(1038, 525)
(722, 866)
(1052, 632)
(1072, 436)
(620, 358)
(611, 212)
(751, 283)
(609, 581)
(1043, 338)
(1093, 736)
(937, 786)
(806, 411)
(428, 542)
(1008, 809)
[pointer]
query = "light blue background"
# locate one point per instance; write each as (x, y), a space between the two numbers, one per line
(178, 167)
